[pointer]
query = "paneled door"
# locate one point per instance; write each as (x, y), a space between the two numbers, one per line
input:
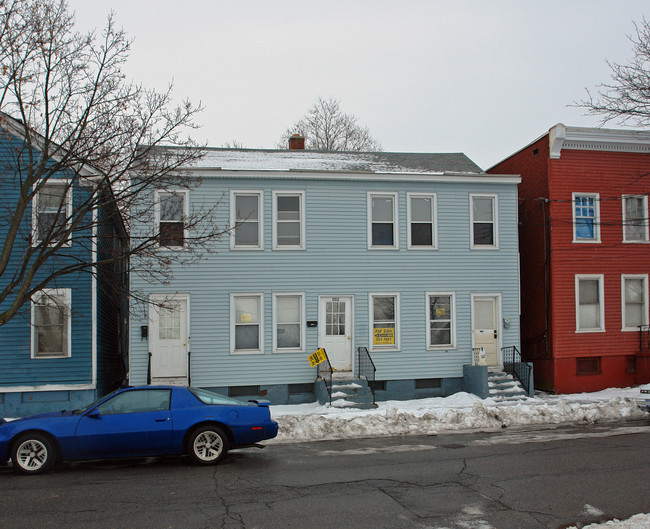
(335, 330)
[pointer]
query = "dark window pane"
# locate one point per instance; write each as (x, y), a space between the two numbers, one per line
(246, 234)
(288, 336)
(384, 309)
(421, 234)
(483, 234)
(172, 234)
(247, 337)
(289, 234)
(382, 234)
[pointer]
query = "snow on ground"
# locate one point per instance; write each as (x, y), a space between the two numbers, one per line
(638, 521)
(461, 411)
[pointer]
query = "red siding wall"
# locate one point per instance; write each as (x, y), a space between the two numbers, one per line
(611, 175)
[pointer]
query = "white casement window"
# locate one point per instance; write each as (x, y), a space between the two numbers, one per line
(171, 214)
(384, 317)
(246, 323)
(288, 220)
(635, 218)
(483, 220)
(590, 309)
(246, 217)
(441, 320)
(586, 217)
(288, 322)
(422, 232)
(382, 221)
(51, 326)
(51, 212)
(634, 301)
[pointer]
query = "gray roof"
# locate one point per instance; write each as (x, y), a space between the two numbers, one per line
(304, 160)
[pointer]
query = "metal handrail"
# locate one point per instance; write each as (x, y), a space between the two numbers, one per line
(326, 372)
(366, 368)
(513, 364)
(189, 368)
(644, 338)
(149, 371)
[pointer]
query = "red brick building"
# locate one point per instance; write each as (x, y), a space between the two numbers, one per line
(585, 257)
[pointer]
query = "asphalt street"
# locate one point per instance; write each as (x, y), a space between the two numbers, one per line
(528, 477)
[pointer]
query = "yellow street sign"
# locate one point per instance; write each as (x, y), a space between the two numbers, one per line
(317, 357)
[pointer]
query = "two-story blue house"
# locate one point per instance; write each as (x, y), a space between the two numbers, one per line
(413, 256)
(67, 344)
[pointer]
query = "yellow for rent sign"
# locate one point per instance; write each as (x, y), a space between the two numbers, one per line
(384, 336)
(317, 357)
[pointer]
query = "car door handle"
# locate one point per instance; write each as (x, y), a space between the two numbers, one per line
(162, 420)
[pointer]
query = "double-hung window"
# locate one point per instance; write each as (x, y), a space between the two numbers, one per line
(289, 220)
(51, 330)
(635, 218)
(51, 212)
(288, 315)
(635, 301)
(441, 320)
(385, 321)
(246, 217)
(483, 214)
(246, 327)
(382, 220)
(422, 221)
(586, 217)
(590, 312)
(171, 214)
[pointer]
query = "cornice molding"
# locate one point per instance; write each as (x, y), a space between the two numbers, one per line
(595, 139)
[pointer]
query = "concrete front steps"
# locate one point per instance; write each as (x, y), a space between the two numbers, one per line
(348, 392)
(505, 388)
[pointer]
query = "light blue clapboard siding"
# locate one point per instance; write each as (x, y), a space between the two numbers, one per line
(337, 262)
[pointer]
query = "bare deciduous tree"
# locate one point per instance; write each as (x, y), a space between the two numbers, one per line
(327, 128)
(68, 110)
(626, 99)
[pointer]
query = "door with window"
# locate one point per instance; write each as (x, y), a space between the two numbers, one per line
(486, 329)
(335, 330)
(168, 338)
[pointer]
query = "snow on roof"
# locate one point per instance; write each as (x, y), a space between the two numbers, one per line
(304, 160)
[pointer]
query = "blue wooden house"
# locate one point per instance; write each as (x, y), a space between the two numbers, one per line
(412, 257)
(67, 345)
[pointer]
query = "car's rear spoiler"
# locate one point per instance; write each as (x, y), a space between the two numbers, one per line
(2, 421)
(261, 402)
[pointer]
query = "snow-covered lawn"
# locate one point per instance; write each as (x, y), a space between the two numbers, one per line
(461, 411)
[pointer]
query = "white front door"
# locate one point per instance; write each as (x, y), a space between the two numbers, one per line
(335, 330)
(168, 339)
(486, 329)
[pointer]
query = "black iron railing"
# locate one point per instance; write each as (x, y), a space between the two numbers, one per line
(189, 368)
(366, 369)
(149, 371)
(644, 338)
(325, 371)
(513, 364)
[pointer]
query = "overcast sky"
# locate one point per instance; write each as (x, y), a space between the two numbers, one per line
(480, 77)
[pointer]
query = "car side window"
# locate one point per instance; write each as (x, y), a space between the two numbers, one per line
(136, 401)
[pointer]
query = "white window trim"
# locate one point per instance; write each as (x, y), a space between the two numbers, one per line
(434, 220)
(601, 297)
(495, 221)
(645, 240)
(233, 318)
(394, 196)
(66, 294)
(260, 220)
(300, 349)
(434, 347)
(596, 197)
(68, 210)
(186, 212)
(371, 319)
(644, 278)
(301, 195)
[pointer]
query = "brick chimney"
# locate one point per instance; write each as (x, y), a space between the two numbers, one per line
(296, 141)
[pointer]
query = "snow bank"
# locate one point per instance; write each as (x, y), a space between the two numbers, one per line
(638, 521)
(462, 411)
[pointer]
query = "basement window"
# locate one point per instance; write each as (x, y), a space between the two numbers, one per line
(243, 391)
(588, 366)
(298, 389)
(428, 383)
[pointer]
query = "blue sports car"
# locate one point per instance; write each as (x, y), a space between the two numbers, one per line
(134, 422)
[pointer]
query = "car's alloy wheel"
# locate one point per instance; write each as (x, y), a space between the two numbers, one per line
(33, 454)
(208, 445)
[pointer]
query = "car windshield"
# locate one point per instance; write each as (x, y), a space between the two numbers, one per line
(209, 397)
(94, 403)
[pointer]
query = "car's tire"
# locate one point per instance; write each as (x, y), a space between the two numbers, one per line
(207, 445)
(33, 453)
